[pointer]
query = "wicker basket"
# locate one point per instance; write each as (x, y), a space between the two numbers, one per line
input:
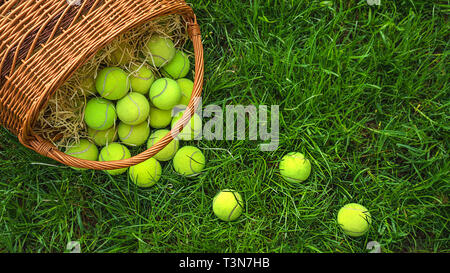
(42, 44)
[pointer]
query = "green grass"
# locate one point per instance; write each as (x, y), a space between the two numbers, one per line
(363, 92)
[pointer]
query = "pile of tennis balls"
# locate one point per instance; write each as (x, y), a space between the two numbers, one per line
(124, 107)
(354, 219)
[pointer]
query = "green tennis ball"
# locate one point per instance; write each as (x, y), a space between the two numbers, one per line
(159, 118)
(87, 86)
(165, 93)
(103, 137)
(354, 219)
(168, 152)
(294, 167)
(228, 205)
(112, 152)
(121, 54)
(133, 109)
(191, 130)
(159, 50)
(133, 135)
(112, 83)
(146, 173)
(186, 87)
(189, 161)
(84, 149)
(100, 114)
(141, 78)
(178, 67)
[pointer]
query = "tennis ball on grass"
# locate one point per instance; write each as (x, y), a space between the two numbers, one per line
(178, 67)
(354, 219)
(159, 50)
(228, 205)
(100, 114)
(192, 129)
(146, 173)
(84, 149)
(189, 161)
(133, 135)
(112, 83)
(165, 93)
(186, 87)
(168, 152)
(159, 118)
(133, 109)
(294, 167)
(103, 137)
(112, 152)
(141, 78)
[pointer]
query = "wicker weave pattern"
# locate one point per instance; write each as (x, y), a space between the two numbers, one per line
(42, 43)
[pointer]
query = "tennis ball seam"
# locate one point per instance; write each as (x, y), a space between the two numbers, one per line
(129, 133)
(158, 56)
(184, 65)
(190, 162)
(164, 89)
(104, 82)
(83, 151)
(137, 106)
(106, 118)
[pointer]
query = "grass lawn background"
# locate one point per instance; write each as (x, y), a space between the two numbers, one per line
(363, 92)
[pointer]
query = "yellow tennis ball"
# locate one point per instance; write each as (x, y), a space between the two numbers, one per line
(100, 114)
(186, 87)
(112, 83)
(112, 152)
(294, 167)
(121, 54)
(168, 152)
(159, 118)
(133, 135)
(191, 130)
(141, 78)
(146, 173)
(84, 149)
(228, 205)
(159, 50)
(87, 86)
(189, 161)
(354, 219)
(178, 67)
(133, 109)
(165, 93)
(103, 137)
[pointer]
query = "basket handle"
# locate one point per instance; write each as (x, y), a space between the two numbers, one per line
(44, 147)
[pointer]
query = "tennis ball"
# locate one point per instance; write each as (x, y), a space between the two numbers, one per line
(165, 93)
(112, 152)
(168, 152)
(294, 167)
(189, 161)
(192, 129)
(159, 118)
(87, 86)
(84, 149)
(133, 109)
(112, 83)
(103, 137)
(160, 50)
(141, 78)
(354, 219)
(100, 114)
(186, 87)
(146, 173)
(178, 67)
(228, 205)
(133, 135)
(121, 54)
